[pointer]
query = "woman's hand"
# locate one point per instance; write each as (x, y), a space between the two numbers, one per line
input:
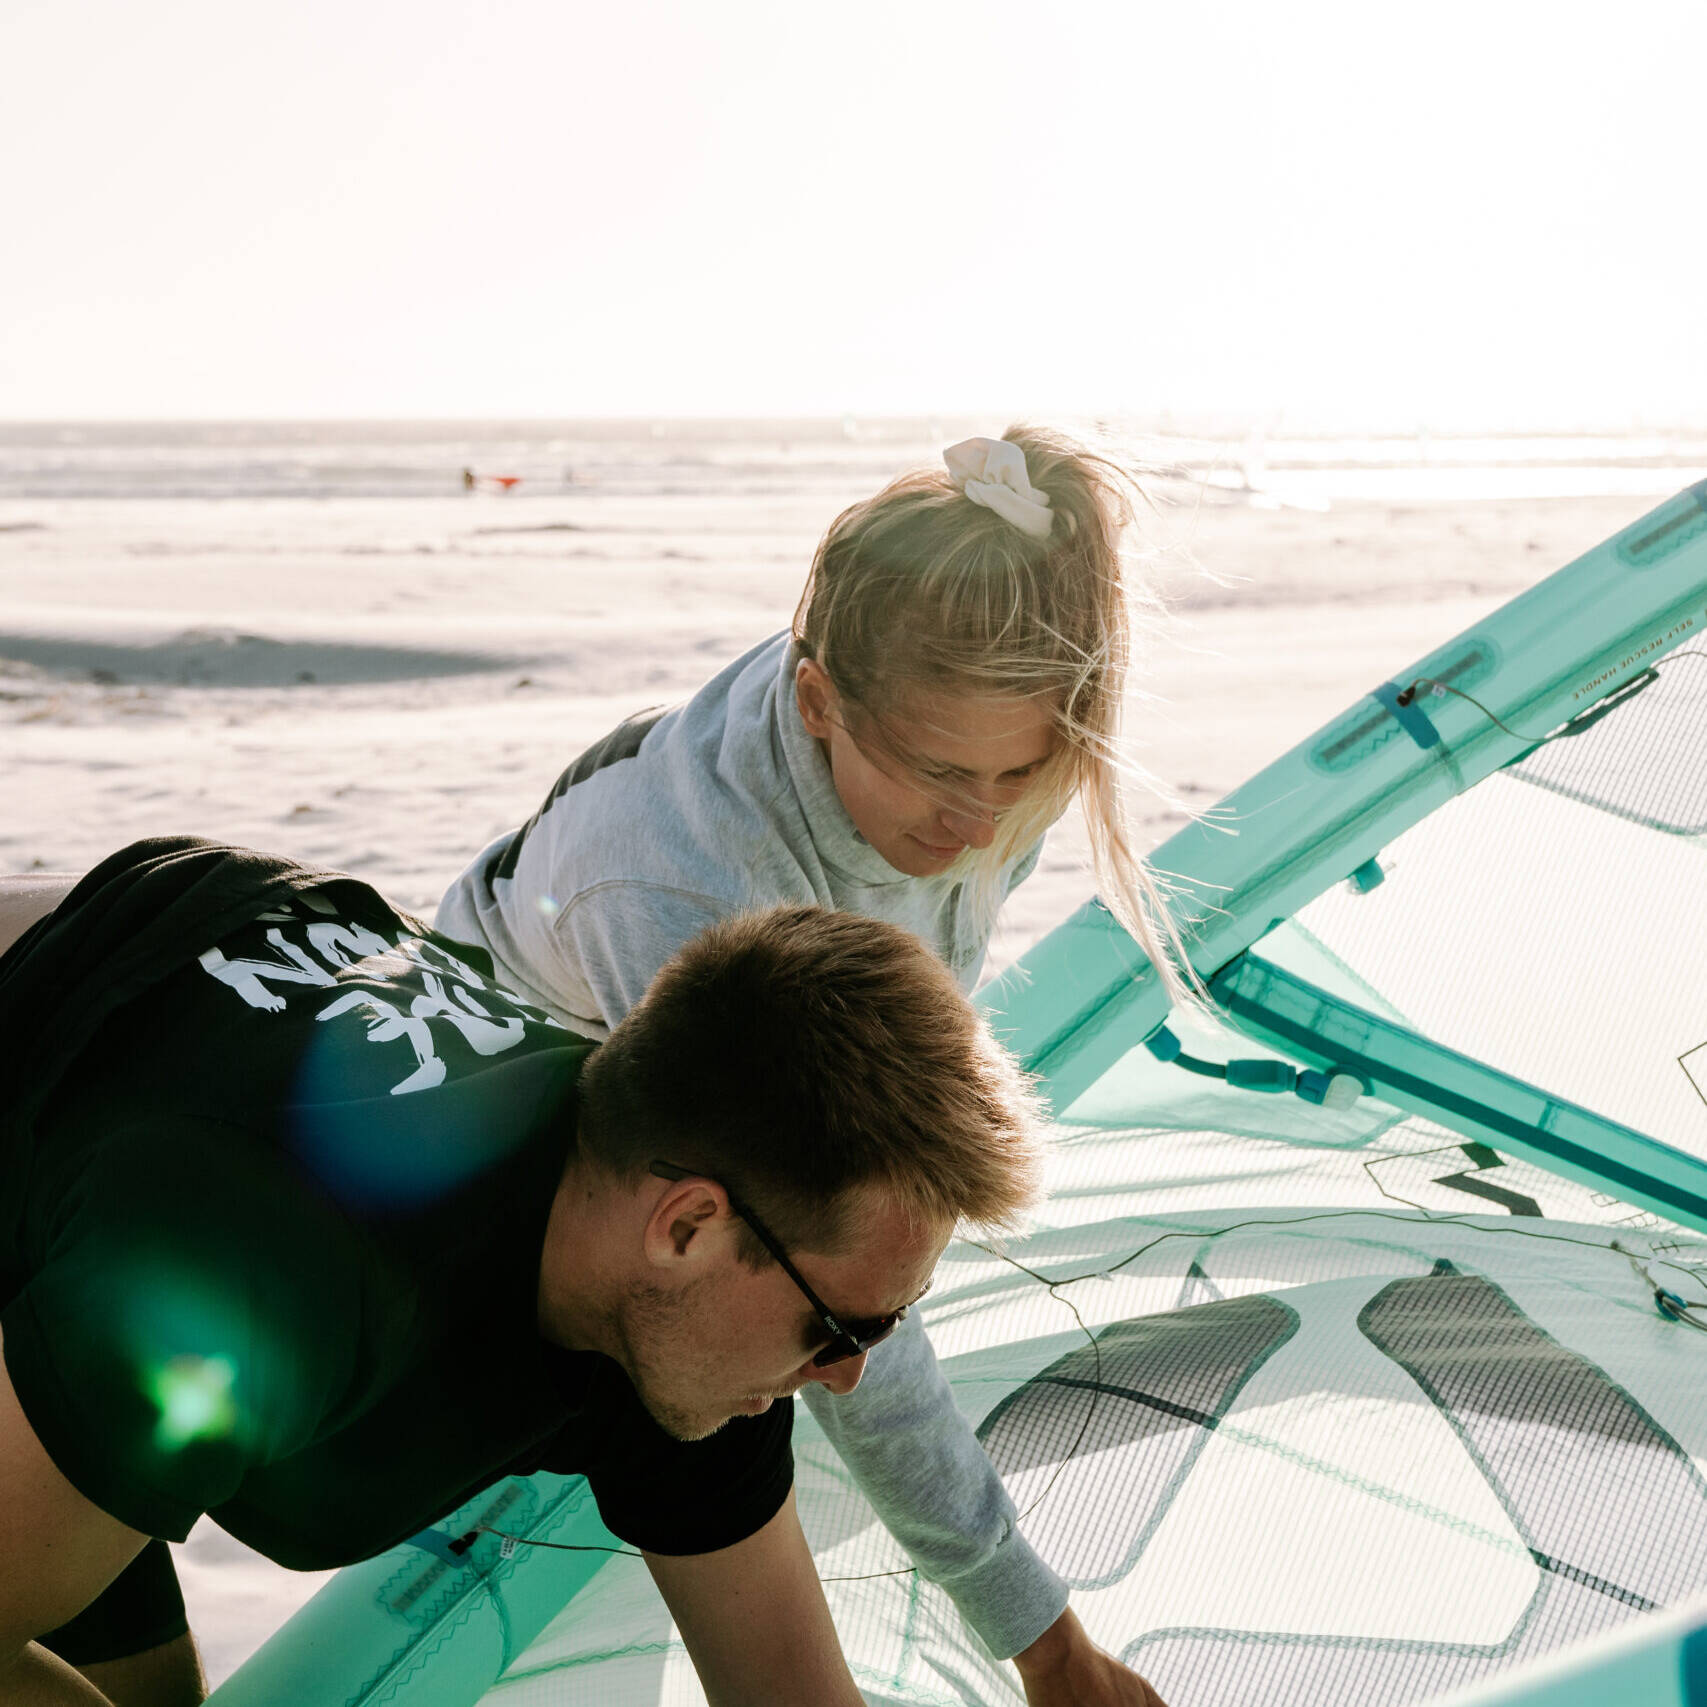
(1065, 1668)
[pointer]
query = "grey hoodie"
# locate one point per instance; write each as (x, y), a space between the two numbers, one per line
(680, 818)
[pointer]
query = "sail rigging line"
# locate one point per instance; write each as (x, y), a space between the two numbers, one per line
(1578, 725)
(1672, 1305)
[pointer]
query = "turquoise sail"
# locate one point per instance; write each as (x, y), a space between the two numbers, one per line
(1354, 1357)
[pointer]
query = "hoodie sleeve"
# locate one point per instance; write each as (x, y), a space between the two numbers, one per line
(616, 935)
(917, 1460)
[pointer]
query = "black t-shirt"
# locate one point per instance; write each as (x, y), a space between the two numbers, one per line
(270, 1249)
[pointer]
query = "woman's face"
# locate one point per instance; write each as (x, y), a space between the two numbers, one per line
(931, 780)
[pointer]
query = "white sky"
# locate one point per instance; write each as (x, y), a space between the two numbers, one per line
(1436, 213)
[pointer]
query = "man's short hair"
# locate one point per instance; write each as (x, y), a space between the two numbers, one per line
(799, 1053)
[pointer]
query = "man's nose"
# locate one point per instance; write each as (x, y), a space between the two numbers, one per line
(840, 1377)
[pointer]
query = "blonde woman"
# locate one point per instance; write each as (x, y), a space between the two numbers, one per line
(954, 677)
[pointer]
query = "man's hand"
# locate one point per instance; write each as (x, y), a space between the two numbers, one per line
(1065, 1668)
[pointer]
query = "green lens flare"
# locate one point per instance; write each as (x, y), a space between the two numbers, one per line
(193, 1396)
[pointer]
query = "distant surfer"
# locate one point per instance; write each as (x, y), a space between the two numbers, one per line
(469, 481)
(322, 1230)
(501, 482)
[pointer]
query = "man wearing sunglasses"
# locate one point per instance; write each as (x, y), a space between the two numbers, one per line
(312, 1226)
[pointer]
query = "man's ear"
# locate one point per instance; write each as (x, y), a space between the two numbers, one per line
(815, 694)
(683, 1228)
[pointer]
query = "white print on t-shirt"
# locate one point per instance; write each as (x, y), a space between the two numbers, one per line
(345, 945)
(448, 991)
(384, 1025)
(244, 976)
(484, 1034)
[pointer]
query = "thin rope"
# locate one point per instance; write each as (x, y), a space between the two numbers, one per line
(1672, 1305)
(1579, 724)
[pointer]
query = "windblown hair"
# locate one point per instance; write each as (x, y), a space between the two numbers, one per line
(797, 1054)
(919, 589)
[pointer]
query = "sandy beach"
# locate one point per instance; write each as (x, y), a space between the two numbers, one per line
(384, 682)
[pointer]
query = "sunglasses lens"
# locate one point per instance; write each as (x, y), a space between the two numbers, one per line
(856, 1344)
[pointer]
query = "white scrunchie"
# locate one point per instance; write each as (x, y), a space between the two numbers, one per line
(992, 472)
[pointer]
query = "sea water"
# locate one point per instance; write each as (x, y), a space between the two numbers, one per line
(755, 458)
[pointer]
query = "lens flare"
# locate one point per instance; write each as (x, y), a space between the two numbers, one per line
(194, 1398)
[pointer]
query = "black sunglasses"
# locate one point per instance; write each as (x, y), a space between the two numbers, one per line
(853, 1339)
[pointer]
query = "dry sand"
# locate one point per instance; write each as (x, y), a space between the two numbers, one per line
(386, 691)
(384, 685)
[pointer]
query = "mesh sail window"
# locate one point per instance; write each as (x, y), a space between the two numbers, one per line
(1344, 1458)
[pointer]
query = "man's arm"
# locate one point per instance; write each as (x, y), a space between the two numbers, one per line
(755, 1620)
(60, 1551)
(23, 900)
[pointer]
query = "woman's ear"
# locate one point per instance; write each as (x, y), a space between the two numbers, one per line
(817, 698)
